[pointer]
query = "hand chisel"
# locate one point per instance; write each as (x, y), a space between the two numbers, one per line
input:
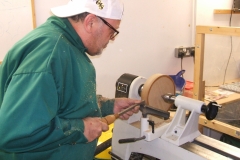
(111, 118)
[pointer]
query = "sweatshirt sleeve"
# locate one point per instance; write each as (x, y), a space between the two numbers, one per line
(30, 119)
(106, 105)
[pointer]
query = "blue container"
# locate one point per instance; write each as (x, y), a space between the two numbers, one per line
(179, 82)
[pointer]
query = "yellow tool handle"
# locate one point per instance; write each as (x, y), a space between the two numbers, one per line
(110, 118)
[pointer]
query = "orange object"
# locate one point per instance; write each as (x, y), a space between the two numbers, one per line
(188, 90)
(110, 118)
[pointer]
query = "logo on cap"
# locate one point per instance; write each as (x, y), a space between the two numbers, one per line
(100, 4)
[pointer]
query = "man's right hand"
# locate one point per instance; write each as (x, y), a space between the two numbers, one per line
(93, 128)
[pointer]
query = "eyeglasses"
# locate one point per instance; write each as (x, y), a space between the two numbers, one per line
(116, 32)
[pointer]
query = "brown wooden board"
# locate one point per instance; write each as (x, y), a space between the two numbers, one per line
(153, 89)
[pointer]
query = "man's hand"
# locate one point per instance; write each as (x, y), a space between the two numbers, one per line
(93, 128)
(122, 103)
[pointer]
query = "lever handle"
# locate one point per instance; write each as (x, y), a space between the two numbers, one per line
(151, 123)
(129, 140)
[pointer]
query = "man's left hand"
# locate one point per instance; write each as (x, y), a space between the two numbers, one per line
(123, 103)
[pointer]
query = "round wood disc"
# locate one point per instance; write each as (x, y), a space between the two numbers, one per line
(153, 89)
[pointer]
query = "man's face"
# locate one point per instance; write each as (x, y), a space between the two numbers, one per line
(103, 35)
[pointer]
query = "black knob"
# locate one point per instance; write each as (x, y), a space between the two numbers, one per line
(210, 110)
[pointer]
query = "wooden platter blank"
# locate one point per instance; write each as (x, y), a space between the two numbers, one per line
(153, 89)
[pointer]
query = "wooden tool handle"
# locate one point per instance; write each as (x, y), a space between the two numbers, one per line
(109, 119)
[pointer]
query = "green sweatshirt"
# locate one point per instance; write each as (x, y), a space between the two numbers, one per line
(47, 86)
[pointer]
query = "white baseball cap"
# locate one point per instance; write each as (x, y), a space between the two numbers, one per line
(112, 9)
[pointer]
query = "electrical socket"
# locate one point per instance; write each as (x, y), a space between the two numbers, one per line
(182, 52)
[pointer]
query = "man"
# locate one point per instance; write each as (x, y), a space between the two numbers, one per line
(49, 108)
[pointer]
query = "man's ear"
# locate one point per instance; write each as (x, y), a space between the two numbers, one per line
(89, 22)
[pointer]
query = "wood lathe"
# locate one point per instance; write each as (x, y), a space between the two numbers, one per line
(156, 134)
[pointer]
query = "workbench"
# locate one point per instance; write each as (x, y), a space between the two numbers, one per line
(199, 84)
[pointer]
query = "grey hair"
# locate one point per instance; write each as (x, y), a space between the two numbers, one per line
(78, 17)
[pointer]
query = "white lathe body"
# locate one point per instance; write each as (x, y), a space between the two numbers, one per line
(175, 138)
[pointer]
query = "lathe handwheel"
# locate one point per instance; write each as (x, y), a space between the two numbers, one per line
(153, 89)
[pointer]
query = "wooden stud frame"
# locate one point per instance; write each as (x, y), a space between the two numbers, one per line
(199, 84)
(33, 14)
(225, 11)
(201, 31)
